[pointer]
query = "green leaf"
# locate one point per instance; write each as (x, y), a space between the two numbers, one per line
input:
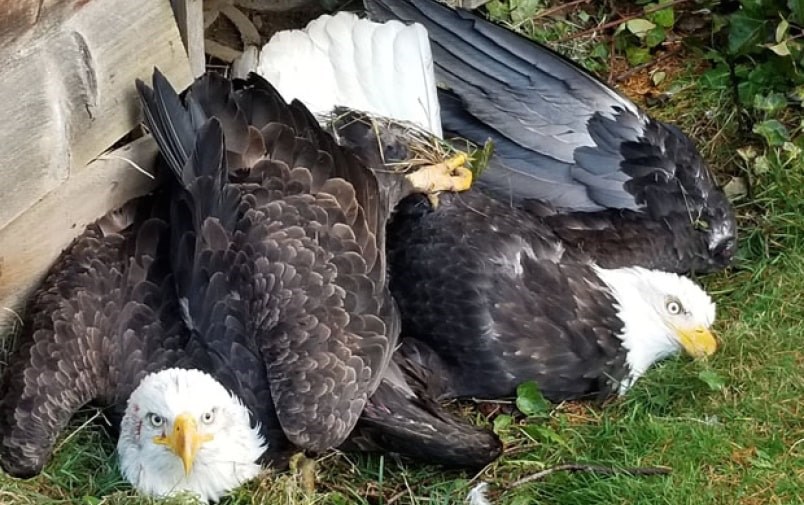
(639, 26)
(781, 30)
(545, 434)
(664, 18)
(770, 103)
(600, 51)
(781, 48)
(745, 33)
(502, 422)
(716, 78)
(529, 400)
(797, 93)
(522, 10)
(735, 189)
(797, 9)
(658, 77)
(793, 151)
(637, 55)
(497, 9)
(761, 165)
(655, 36)
(712, 379)
(747, 153)
(774, 132)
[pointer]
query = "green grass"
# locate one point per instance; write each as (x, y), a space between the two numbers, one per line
(731, 429)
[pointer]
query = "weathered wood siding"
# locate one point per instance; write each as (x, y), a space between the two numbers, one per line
(67, 71)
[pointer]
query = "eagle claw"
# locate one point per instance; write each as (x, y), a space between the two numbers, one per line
(449, 175)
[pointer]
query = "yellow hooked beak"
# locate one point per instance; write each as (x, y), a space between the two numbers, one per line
(697, 342)
(184, 440)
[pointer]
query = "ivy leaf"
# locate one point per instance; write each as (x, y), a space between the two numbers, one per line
(745, 33)
(781, 30)
(712, 379)
(601, 52)
(655, 36)
(770, 103)
(639, 26)
(774, 132)
(637, 55)
(664, 18)
(781, 48)
(529, 400)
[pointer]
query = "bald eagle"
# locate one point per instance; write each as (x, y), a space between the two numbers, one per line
(242, 314)
(604, 175)
(564, 256)
(564, 262)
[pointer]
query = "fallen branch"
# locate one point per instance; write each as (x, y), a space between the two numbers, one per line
(599, 469)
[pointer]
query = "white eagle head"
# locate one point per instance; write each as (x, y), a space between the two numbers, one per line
(662, 314)
(182, 431)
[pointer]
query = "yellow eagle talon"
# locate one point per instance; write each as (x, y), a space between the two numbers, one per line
(457, 161)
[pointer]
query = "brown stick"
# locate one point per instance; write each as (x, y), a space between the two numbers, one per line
(559, 8)
(620, 21)
(604, 470)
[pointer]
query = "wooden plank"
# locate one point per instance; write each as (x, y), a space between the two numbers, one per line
(30, 244)
(68, 92)
(29, 18)
(190, 18)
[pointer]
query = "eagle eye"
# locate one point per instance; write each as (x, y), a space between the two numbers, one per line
(673, 306)
(208, 417)
(155, 419)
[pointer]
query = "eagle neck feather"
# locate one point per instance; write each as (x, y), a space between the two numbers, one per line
(644, 333)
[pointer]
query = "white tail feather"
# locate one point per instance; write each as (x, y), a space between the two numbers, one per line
(384, 69)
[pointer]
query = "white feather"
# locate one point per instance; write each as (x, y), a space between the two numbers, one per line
(477, 495)
(385, 69)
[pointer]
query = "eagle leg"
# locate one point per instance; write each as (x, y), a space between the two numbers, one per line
(449, 175)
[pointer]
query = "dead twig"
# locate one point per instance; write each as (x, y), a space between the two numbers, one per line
(599, 469)
(559, 8)
(619, 21)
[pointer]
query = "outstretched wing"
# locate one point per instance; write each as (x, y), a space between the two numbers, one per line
(562, 136)
(103, 317)
(282, 249)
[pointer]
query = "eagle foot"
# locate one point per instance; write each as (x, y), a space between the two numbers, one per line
(449, 175)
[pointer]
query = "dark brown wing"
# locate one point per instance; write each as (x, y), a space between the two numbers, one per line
(103, 317)
(403, 417)
(286, 251)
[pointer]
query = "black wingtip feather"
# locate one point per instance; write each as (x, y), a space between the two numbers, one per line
(168, 120)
